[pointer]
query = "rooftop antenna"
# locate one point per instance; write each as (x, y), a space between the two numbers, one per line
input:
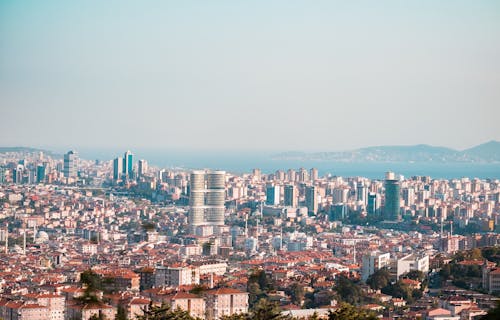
(246, 225)
(441, 227)
(257, 235)
(281, 238)
(354, 252)
(6, 238)
(24, 240)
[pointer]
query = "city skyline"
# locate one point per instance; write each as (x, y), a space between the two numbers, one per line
(329, 76)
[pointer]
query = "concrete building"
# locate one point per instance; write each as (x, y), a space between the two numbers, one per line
(225, 302)
(412, 262)
(70, 169)
(175, 277)
(273, 195)
(206, 198)
(191, 303)
(491, 279)
(290, 196)
(392, 198)
(311, 200)
(117, 168)
(372, 262)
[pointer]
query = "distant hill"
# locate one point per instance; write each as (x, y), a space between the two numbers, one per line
(28, 150)
(488, 153)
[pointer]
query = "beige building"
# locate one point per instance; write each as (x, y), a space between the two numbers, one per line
(20, 310)
(54, 303)
(175, 277)
(225, 302)
(136, 307)
(84, 312)
(194, 304)
(491, 279)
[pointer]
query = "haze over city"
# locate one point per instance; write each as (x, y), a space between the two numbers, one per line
(265, 75)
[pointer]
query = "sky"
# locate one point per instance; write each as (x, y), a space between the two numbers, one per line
(249, 75)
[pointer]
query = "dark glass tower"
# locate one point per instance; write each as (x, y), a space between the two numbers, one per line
(392, 198)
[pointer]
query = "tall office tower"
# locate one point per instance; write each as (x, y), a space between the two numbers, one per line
(256, 174)
(279, 175)
(291, 175)
(40, 173)
(361, 191)
(70, 164)
(128, 164)
(392, 198)
(314, 174)
(338, 212)
(340, 195)
(17, 174)
(303, 175)
(206, 198)
(311, 200)
(373, 204)
(117, 168)
(409, 196)
(291, 197)
(142, 167)
(272, 195)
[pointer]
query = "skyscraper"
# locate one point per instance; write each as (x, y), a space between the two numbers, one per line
(272, 195)
(314, 174)
(128, 164)
(392, 198)
(361, 192)
(70, 164)
(373, 204)
(40, 173)
(117, 168)
(142, 167)
(311, 200)
(290, 196)
(206, 198)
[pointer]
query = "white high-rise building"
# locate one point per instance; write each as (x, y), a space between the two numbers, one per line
(206, 198)
(374, 261)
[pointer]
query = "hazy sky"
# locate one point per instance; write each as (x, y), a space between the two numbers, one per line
(283, 75)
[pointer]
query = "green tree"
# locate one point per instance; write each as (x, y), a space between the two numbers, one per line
(92, 283)
(237, 316)
(445, 271)
(164, 312)
(348, 291)
(296, 292)
(91, 280)
(399, 290)
(121, 313)
(349, 312)
(416, 275)
(258, 286)
(493, 314)
(197, 289)
(379, 279)
(266, 310)
(98, 316)
(475, 254)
